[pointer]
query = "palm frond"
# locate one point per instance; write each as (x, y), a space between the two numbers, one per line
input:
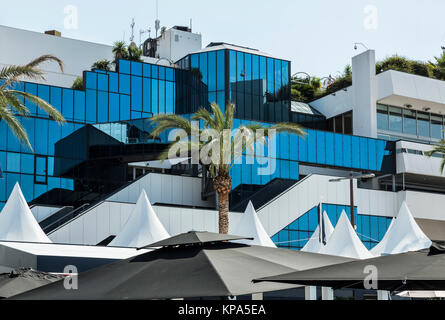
(14, 102)
(15, 126)
(205, 116)
(45, 58)
(165, 122)
(218, 117)
(42, 104)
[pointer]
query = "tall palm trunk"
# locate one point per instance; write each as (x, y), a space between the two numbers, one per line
(222, 185)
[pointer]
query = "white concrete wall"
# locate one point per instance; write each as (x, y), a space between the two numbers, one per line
(21, 46)
(175, 44)
(416, 163)
(164, 188)
(364, 94)
(96, 225)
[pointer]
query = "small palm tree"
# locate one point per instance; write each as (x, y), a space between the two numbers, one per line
(232, 147)
(102, 64)
(11, 100)
(119, 51)
(134, 53)
(439, 149)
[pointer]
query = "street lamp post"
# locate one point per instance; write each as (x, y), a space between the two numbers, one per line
(351, 190)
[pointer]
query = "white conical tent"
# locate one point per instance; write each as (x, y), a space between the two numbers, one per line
(403, 235)
(17, 223)
(142, 228)
(251, 226)
(344, 241)
(314, 244)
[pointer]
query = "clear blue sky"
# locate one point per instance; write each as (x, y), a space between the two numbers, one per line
(316, 35)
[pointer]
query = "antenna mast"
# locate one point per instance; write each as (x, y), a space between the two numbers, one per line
(157, 21)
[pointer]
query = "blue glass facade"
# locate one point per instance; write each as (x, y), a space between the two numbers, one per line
(118, 104)
(370, 229)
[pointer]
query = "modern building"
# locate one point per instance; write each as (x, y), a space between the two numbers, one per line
(84, 177)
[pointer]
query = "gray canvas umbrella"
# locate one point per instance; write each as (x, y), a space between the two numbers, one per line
(419, 270)
(214, 267)
(22, 280)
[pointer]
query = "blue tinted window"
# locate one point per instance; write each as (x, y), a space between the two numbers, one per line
(102, 82)
(91, 106)
(79, 105)
(136, 68)
(169, 74)
(56, 98)
(364, 161)
(161, 96)
(124, 66)
(91, 80)
(41, 145)
(56, 132)
(13, 162)
(147, 95)
(203, 66)
(124, 83)
(356, 152)
(221, 70)
(330, 148)
(43, 92)
(114, 82)
(102, 110)
(154, 72)
(169, 97)
(147, 70)
(136, 93)
(154, 96)
(114, 107)
(212, 70)
(124, 107)
(67, 106)
(321, 147)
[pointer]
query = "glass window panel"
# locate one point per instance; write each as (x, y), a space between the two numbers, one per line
(221, 70)
(161, 96)
(91, 80)
(154, 96)
(102, 82)
(56, 134)
(136, 68)
(27, 163)
(124, 66)
(321, 147)
(13, 162)
(355, 152)
(91, 109)
(114, 82)
(67, 106)
(29, 125)
(102, 112)
(169, 74)
(124, 83)
(423, 124)
(364, 159)
(41, 134)
(161, 73)
(232, 72)
(212, 70)
(136, 93)
(372, 154)
(146, 94)
(312, 146)
(79, 105)
(147, 70)
(124, 107)
(330, 151)
(436, 127)
(114, 107)
(203, 67)
(395, 119)
(56, 98)
(43, 92)
(409, 122)
(169, 97)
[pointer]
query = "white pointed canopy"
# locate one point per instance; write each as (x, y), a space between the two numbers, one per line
(17, 223)
(142, 228)
(251, 226)
(344, 241)
(314, 244)
(403, 235)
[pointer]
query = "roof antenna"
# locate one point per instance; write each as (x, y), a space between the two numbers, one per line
(132, 30)
(157, 21)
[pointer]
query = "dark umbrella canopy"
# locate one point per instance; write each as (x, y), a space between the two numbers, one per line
(202, 270)
(420, 270)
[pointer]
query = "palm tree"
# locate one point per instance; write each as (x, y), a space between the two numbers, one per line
(134, 53)
(12, 101)
(119, 51)
(232, 146)
(438, 67)
(439, 149)
(102, 64)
